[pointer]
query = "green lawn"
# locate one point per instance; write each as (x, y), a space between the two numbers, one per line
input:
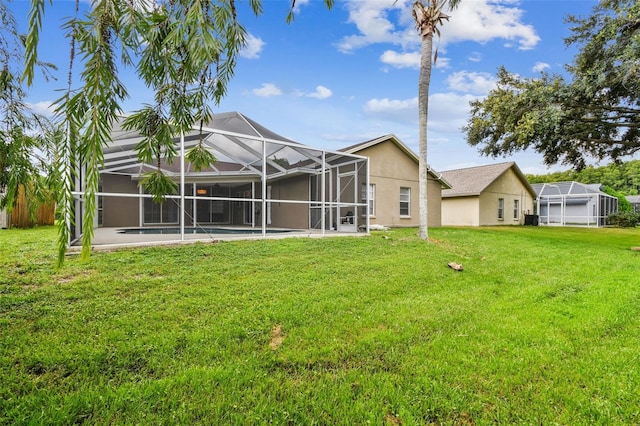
(541, 327)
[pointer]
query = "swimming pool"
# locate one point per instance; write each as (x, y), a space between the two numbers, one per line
(198, 230)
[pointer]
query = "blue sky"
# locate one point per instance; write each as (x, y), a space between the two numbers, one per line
(334, 78)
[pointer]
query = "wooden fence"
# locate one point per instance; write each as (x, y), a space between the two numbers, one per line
(19, 216)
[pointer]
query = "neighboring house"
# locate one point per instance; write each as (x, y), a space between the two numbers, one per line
(394, 185)
(496, 194)
(261, 180)
(573, 204)
(635, 202)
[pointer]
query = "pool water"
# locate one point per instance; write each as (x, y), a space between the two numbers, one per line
(198, 230)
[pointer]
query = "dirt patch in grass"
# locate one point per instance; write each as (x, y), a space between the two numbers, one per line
(277, 337)
(392, 420)
(75, 276)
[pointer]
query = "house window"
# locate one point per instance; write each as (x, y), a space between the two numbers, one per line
(516, 209)
(372, 197)
(405, 201)
(500, 208)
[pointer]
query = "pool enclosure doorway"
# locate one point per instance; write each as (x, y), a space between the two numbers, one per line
(260, 180)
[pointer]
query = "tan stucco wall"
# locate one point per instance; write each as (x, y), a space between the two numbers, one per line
(124, 212)
(390, 169)
(508, 187)
(120, 211)
(460, 211)
(288, 215)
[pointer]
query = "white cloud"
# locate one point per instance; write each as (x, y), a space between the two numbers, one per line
(253, 48)
(299, 4)
(372, 18)
(471, 82)
(486, 20)
(442, 63)
(401, 60)
(403, 111)
(390, 105)
(46, 108)
(448, 112)
(475, 57)
(381, 21)
(410, 60)
(321, 93)
(267, 90)
(541, 66)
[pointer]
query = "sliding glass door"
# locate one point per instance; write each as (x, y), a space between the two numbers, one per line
(213, 211)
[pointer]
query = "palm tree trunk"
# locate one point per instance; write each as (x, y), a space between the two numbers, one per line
(423, 113)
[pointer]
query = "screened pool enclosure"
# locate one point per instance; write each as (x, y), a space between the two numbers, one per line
(573, 204)
(260, 181)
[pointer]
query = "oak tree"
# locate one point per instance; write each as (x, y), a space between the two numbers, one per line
(594, 113)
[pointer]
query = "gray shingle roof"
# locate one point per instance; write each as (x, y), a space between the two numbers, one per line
(473, 180)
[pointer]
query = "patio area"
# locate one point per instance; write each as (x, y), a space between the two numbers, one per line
(112, 238)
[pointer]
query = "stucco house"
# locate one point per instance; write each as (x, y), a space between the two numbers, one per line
(394, 184)
(635, 202)
(496, 194)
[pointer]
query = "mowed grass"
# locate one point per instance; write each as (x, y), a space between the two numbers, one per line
(541, 327)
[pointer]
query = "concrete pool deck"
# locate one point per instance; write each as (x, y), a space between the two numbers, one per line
(111, 239)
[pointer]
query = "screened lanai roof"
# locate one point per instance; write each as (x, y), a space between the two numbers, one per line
(236, 141)
(566, 188)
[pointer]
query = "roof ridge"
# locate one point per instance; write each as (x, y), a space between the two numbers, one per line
(481, 166)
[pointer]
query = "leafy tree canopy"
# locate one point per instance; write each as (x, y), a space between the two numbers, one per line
(26, 138)
(595, 114)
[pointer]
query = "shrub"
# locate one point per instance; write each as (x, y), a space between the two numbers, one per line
(626, 219)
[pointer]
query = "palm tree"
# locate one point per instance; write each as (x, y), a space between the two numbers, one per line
(428, 16)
